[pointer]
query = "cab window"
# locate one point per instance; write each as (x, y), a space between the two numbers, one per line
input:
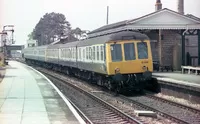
(116, 52)
(129, 51)
(142, 50)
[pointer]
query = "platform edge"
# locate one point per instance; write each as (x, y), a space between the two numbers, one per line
(78, 117)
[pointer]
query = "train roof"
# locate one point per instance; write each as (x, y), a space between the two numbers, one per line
(44, 46)
(54, 46)
(123, 35)
(70, 44)
(36, 47)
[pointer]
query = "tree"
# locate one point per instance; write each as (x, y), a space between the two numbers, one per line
(50, 25)
(30, 36)
(78, 33)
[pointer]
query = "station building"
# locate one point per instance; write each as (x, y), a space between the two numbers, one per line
(175, 37)
(31, 43)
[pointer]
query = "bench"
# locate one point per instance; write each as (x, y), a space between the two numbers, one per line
(190, 68)
(158, 67)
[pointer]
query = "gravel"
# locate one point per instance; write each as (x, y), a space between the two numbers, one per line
(178, 100)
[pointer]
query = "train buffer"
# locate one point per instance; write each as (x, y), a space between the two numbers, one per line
(28, 97)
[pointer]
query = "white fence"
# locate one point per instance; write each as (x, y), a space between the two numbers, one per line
(190, 69)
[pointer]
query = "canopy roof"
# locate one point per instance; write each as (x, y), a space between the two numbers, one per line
(163, 19)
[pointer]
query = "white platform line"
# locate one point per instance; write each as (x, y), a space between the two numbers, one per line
(63, 97)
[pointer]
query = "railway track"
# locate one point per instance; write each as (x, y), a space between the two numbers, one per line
(167, 109)
(173, 111)
(192, 109)
(95, 110)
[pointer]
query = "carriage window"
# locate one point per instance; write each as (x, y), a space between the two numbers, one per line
(68, 53)
(116, 52)
(74, 53)
(62, 53)
(97, 52)
(83, 53)
(93, 52)
(87, 52)
(102, 53)
(65, 53)
(129, 51)
(142, 50)
(90, 53)
(80, 53)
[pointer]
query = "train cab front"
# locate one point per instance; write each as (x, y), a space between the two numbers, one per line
(130, 63)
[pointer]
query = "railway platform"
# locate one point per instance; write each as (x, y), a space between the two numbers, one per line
(28, 97)
(178, 77)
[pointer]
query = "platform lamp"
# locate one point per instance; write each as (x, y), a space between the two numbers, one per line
(12, 30)
(4, 47)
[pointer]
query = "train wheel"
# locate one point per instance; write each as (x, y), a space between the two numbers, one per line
(109, 85)
(99, 81)
(118, 88)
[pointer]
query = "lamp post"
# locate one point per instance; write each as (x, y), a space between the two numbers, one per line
(3, 41)
(12, 30)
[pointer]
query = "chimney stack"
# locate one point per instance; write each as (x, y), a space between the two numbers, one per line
(181, 6)
(158, 5)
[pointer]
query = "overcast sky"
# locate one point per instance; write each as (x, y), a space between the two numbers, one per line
(86, 14)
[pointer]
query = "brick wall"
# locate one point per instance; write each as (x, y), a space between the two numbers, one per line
(171, 47)
(169, 41)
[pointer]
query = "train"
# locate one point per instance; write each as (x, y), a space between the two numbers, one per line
(120, 61)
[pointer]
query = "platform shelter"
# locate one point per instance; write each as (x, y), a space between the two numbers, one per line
(168, 30)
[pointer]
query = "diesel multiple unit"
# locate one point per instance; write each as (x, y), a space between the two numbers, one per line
(119, 61)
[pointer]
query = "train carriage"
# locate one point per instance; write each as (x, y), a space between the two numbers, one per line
(68, 54)
(52, 54)
(41, 53)
(91, 55)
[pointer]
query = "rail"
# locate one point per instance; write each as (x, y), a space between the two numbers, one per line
(107, 105)
(190, 69)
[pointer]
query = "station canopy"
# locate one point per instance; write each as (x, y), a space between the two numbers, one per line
(164, 19)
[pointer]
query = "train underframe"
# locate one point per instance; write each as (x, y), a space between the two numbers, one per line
(118, 82)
